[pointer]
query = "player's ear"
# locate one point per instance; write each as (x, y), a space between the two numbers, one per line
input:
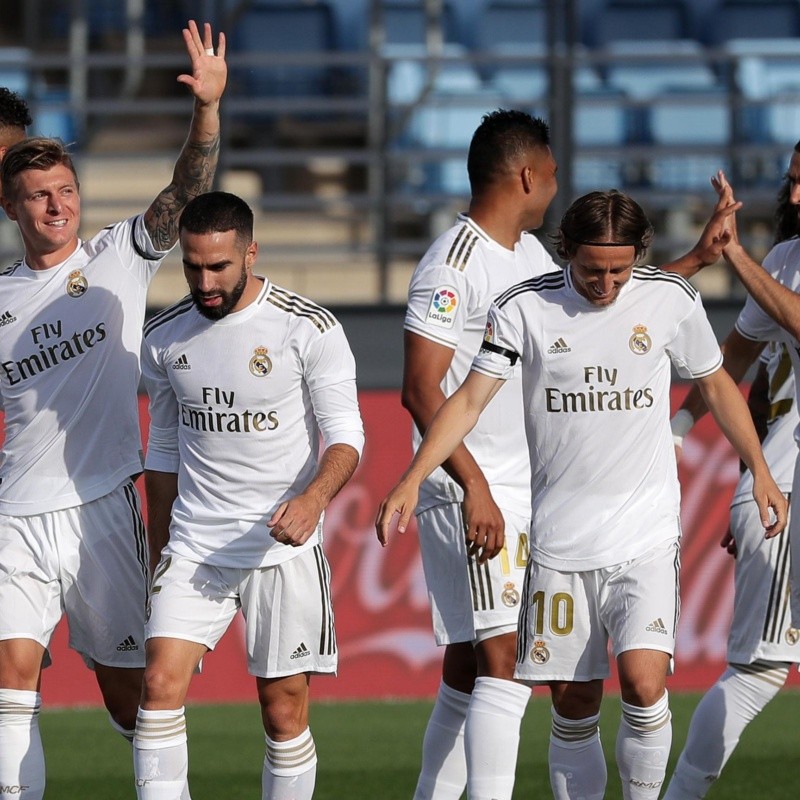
(250, 254)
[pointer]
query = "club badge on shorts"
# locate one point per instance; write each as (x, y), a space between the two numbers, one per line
(540, 654)
(640, 343)
(76, 284)
(260, 364)
(792, 636)
(510, 595)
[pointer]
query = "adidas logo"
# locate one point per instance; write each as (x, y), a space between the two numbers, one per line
(128, 644)
(656, 626)
(301, 652)
(182, 363)
(7, 319)
(559, 346)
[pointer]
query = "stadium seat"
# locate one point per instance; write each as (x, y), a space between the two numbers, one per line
(689, 121)
(272, 28)
(768, 77)
(752, 19)
(411, 64)
(405, 22)
(644, 69)
(511, 22)
(14, 69)
(638, 20)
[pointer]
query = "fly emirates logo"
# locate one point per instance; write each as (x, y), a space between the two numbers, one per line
(52, 349)
(218, 415)
(601, 393)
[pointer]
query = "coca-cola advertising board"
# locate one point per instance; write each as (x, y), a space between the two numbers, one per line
(386, 647)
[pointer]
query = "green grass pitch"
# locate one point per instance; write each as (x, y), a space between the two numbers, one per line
(370, 751)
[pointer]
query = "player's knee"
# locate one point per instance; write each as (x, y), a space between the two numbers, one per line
(642, 689)
(284, 711)
(161, 687)
(576, 700)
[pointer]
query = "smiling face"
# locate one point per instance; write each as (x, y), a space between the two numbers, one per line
(46, 205)
(599, 273)
(217, 267)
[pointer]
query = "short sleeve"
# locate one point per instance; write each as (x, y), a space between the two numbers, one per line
(162, 440)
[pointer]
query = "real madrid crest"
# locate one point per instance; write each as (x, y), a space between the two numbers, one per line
(76, 284)
(640, 343)
(540, 654)
(260, 363)
(792, 635)
(510, 595)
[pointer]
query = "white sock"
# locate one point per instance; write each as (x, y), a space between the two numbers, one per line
(491, 737)
(577, 764)
(290, 769)
(443, 775)
(21, 754)
(128, 736)
(724, 711)
(160, 754)
(643, 743)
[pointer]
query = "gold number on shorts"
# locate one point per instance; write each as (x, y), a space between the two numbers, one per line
(158, 573)
(520, 557)
(562, 611)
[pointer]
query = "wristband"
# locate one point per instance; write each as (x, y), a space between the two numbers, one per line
(681, 424)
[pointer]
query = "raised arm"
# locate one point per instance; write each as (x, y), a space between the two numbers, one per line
(730, 410)
(424, 367)
(453, 421)
(197, 162)
(718, 232)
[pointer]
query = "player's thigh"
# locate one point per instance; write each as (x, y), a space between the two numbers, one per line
(191, 601)
(639, 601)
(762, 626)
(289, 624)
(30, 589)
(466, 597)
(561, 636)
(104, 579)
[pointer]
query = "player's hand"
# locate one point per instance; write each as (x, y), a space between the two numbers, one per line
(484, 526)
(728, 543)
(402, 500)
(209, 70)
(720, 230)
(295, 520)
(772, 504)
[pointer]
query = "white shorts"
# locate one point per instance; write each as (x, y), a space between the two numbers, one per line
(287, 609)
(90, 562)
(466, 597)
(569, 617)
(762, 625)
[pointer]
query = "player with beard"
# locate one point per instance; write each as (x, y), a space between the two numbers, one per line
(244, 380)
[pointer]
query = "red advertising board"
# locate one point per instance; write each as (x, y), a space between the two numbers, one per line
(382, 619)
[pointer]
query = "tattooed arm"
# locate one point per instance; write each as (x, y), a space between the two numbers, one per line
(195, 167)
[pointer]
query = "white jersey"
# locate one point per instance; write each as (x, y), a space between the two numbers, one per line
(70, 338)
(755, 324)
(451, 290)
(779, 452)
(596, 391)
(237, 409)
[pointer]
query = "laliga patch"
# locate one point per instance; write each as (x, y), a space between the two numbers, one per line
(442, 310)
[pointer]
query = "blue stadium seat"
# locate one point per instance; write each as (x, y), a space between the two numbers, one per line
(601, 120)
(752, 19)
(14, 65)
(448, 123)
(273, 28)
(408, 72)
(639, 20)
(699, 123)
(768, 76)
(511, 22)
(405, 21)
(660, 67)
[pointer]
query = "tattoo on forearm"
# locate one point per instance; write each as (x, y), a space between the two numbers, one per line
(193, 175)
